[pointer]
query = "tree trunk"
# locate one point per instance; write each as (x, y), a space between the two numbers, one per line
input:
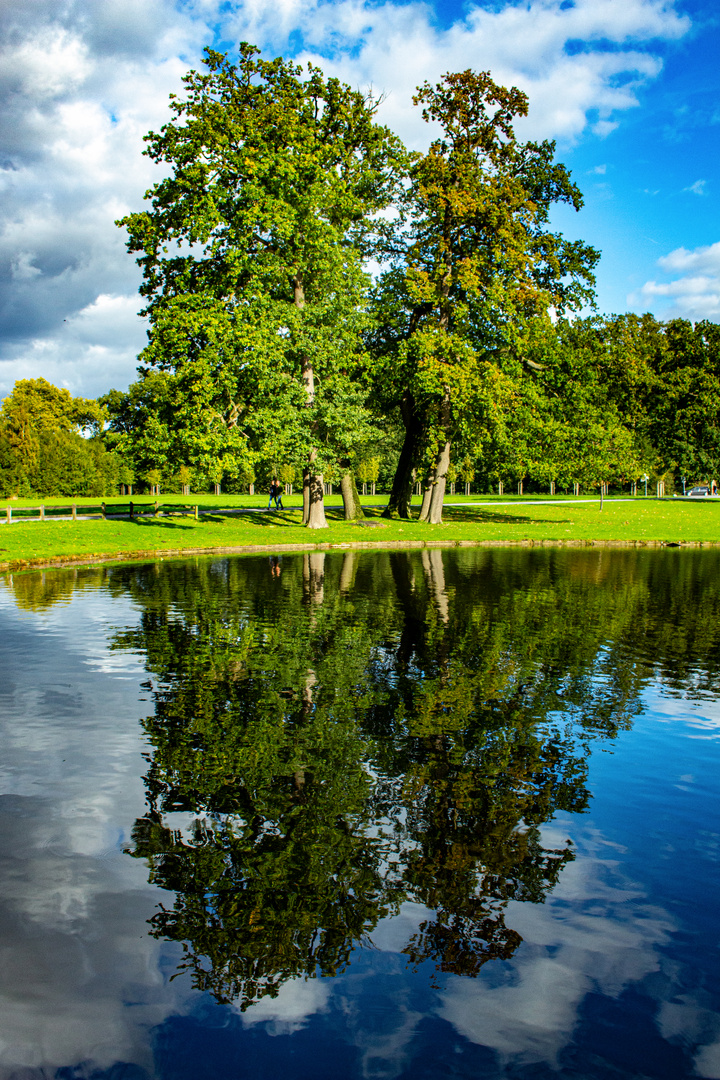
(427, 496)
(316, 506)
(306, 495)
(351, 501)
(401, 493)
(602, 494)
(442, 464)
(438, 490)
(313, 505)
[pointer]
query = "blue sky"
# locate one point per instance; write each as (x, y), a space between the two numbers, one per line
(628, 88)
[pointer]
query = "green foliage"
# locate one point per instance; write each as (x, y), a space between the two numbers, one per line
(41, 449)
(478, 266)
(252, 260)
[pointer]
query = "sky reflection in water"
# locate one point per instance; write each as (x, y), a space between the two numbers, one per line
(478, 787)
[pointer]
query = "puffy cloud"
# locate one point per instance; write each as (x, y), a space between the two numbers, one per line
(695, 293)
(595, 933)
(579, 63)
(81, 82)
(289, 1011)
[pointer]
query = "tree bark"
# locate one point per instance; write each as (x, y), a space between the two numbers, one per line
(313, 507)
(306, 495)
(316, 507)
(442, 464)
(427, 496)
(399, 502)
(434, 494)
(351, 501)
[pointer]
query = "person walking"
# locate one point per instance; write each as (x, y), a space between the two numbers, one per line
(275, 493)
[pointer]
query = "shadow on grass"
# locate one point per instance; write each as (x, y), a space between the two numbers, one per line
(161, 523)
(291, 518)
(489, 517)
(477, 516)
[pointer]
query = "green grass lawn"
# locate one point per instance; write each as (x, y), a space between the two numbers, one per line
(557, 521)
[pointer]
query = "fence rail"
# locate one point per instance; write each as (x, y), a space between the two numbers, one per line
(102, 510)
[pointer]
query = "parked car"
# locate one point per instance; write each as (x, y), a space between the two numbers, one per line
(699, 491)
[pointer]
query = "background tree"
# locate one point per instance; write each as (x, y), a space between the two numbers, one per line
(50, 443)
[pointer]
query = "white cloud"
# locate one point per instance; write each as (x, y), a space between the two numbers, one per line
(695, 294)
(81, 82)
(296, 1001)
(73, 910)
(698, 188)
(595, 933)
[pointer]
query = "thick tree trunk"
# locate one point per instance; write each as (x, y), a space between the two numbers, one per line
(313, 491)
(316, 506)
(427, 496)
(442, 464)
(401, 493)
(351, 501)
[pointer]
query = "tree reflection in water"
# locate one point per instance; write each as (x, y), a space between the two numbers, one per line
(364, 730)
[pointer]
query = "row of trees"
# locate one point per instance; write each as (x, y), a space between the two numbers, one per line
(617, 398)
(270, 346)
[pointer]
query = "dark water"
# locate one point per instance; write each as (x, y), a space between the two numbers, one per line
(368, 815)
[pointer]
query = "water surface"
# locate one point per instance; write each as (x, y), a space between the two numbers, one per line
(378, 814)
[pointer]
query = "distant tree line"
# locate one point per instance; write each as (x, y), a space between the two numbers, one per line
(272, 351)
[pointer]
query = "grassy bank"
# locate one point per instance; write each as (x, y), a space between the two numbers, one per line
(516, 521)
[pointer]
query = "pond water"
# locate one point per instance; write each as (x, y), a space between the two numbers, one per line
(367, 814)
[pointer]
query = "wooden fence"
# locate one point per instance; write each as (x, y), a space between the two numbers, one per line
(75, 511)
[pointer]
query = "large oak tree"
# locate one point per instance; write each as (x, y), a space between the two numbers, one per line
(252, 253)
(476, 263)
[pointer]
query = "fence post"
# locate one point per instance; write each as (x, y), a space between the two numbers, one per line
(102, 510)
(42, 511)
(156, 512)
(131, 509)
(196, 514)
(8, 511)
(501, 488)
(74, 511)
